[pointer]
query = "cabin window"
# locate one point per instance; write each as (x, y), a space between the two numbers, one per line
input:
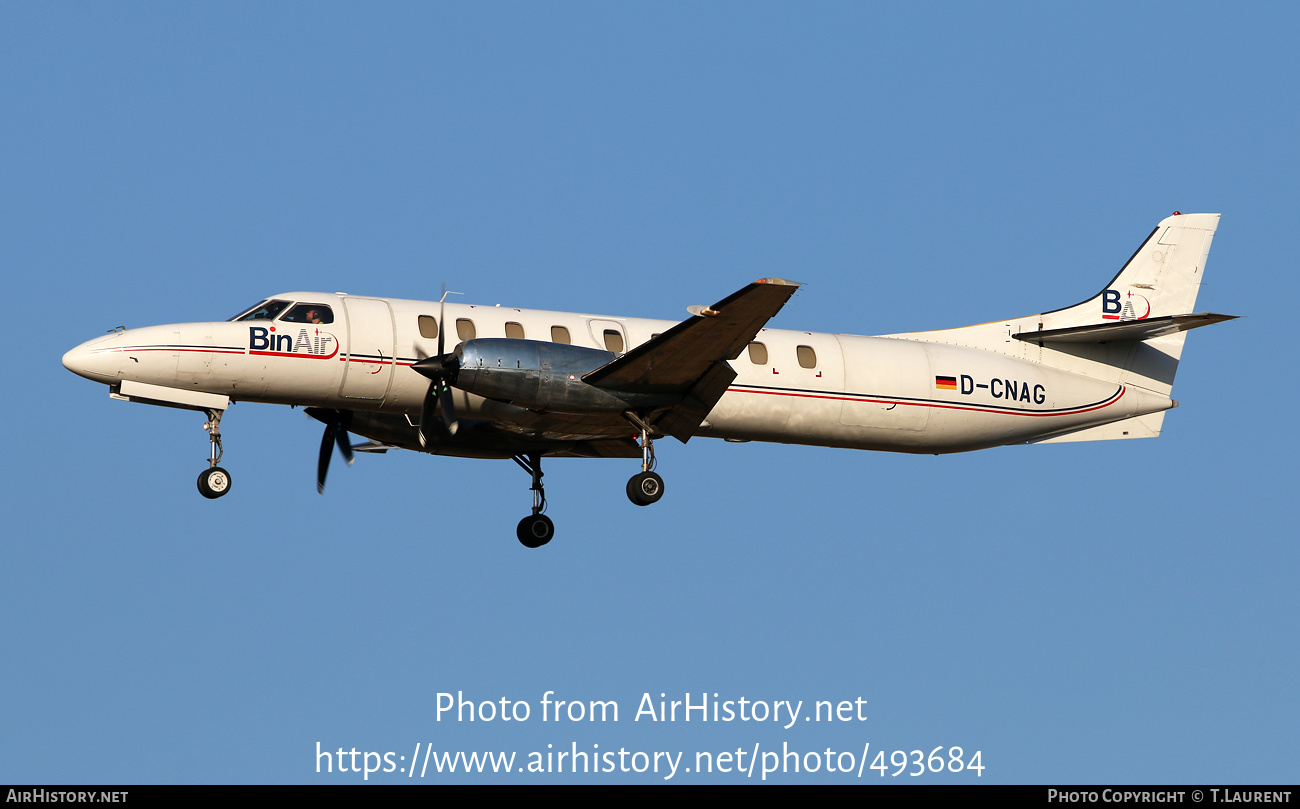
(758, 353)
(266, 310)
(465, 328)
(317, 313)
(559, 334)
(807, 357)
(429, 327)
(613, 341)
(515, 331)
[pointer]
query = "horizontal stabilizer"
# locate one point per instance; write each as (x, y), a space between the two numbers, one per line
(1128, 330)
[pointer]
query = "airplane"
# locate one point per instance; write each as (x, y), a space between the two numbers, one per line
(527, 384)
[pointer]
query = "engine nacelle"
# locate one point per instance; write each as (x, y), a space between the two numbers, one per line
(543, 376)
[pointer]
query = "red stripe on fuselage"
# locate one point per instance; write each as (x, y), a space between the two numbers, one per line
(1119, 394)
(329, 356)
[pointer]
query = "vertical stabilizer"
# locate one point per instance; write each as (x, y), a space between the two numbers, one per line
(1162, 277)
(1102, 337)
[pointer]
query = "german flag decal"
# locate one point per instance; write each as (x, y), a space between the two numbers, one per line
(945, 382)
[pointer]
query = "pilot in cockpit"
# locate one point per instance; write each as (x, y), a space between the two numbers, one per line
(309, 313)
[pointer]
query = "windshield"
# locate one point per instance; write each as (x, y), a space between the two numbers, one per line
(266, 310)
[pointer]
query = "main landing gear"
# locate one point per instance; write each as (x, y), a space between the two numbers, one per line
(647, 487)
(536, 530)
(643, 488)
(214, 481)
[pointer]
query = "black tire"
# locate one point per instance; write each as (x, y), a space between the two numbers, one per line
(535, 531)
(645, 488)
(214, 482)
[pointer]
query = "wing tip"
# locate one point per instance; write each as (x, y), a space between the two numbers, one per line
(778, 282)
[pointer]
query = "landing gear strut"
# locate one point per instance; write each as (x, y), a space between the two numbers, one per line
(536, 530)
(647, 487)
(214, 481)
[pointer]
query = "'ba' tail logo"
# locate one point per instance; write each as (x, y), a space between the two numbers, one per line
(1115, 306)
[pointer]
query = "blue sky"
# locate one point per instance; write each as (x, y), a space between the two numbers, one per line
(1104, 612)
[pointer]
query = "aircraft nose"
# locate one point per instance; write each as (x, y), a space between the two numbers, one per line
(96, 360)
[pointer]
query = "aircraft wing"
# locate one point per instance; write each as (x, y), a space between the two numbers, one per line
(691, 357)
(677, 359)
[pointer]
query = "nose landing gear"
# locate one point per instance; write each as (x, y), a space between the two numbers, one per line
(214, 481)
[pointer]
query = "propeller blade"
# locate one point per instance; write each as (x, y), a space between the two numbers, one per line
(448, 408)
(442, 318)
(438, 394)
(427, 410)
(440, 370)
(323, 462)
(336, 434)
(344, 442)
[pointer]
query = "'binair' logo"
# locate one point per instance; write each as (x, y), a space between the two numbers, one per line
(314, 344)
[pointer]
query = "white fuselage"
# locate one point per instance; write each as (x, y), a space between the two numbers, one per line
(882, 393)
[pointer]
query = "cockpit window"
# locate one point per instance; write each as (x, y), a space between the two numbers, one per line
(266, 310)
(309, 313)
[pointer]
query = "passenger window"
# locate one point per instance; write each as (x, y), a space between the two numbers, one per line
(429, 327)
(758, 353)
(515, 331)
(464, 328)
(807, 357)
(559, 334)
(613, 341)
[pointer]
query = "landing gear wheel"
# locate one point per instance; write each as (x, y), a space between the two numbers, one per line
(535, 530)
(214, 482)
(645, 488)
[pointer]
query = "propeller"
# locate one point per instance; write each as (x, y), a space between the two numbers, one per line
(336, 432)
(441, 370)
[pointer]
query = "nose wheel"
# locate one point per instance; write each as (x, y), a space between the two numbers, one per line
(535, 530)
(214, 481)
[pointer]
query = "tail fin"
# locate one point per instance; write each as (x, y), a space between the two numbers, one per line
(1161, 279)
(1131, 332)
